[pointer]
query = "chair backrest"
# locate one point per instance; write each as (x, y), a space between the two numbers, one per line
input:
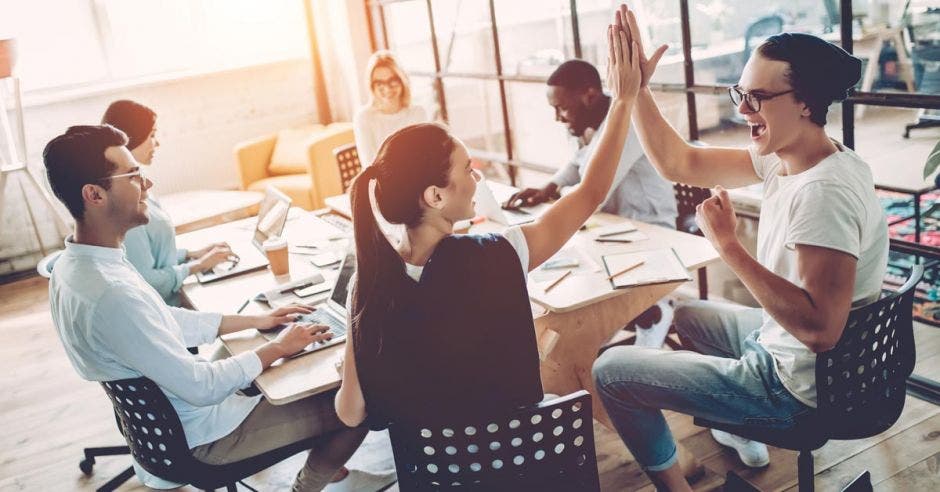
(347, 159)
(761, 28)
(549, 446)
(861, 383)
(687, 198)
(152, 428)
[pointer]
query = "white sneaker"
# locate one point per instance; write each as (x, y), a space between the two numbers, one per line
(752, 453)
(655, 335)
(362, 481)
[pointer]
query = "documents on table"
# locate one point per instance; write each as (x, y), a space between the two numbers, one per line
(655, 266)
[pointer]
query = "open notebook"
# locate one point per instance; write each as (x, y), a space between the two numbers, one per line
(655, 266)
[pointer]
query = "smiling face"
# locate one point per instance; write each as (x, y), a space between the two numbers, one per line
(781, 119)
(144, 152)
(127, 196)
(458, 201)
(571, 108)
(386, 87)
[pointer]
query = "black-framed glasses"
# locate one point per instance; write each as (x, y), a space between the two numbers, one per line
(391, 83)
(753, 101)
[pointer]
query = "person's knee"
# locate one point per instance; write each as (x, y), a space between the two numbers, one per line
(688, 316)
(610, 367)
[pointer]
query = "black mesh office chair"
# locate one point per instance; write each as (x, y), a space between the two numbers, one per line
(546, 447)
(155, 436)
(860, 385)
(347, 158)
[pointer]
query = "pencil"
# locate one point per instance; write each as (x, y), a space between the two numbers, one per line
(625, 270)
(557, 281)
(612, 240)
(243, 306)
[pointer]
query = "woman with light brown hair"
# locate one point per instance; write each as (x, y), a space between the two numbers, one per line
(389, 107)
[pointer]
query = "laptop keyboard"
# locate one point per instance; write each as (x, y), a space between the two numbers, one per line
(339, 222)
(337, 327)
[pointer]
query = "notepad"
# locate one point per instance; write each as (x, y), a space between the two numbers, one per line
(659, 266)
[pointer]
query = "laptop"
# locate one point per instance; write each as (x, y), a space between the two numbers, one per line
(487, 205)
(330, 313)
(271, 219)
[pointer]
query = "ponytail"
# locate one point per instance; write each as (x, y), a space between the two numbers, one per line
(410, 160)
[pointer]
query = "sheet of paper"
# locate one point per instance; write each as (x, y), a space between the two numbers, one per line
(658, 266)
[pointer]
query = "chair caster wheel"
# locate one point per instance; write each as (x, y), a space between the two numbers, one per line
(86, 466)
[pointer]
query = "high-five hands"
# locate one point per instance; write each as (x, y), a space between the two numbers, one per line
(625, 17)
(623, 65)
(715, 217)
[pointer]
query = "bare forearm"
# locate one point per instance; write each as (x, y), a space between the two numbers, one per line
(664, 147)
(785, 302)
(268, 353)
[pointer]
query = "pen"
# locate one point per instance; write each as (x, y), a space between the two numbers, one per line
(614, 233)
(557, 281)
(243, 306)
(625, 270)
(612, 240)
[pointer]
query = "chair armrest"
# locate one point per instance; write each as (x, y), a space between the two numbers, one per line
(252, 159)
(322, 166)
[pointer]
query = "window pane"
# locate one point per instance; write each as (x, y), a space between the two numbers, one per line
(424, 95)
(166, 41)
(537, 138)
(725, 32)
(409, 35)
(895, 161)
(475, 114)
(659, 24)
(534, 35)
(464, 36)
(884, 28)
(240, 32)
(54, 50)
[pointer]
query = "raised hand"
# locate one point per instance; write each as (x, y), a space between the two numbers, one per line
(623, 66)
(716, 219)
(627, 20)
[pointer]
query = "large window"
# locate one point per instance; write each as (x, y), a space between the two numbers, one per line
(64, 43)
(484, 62)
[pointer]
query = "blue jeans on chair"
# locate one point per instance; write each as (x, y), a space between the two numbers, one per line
(730, 380)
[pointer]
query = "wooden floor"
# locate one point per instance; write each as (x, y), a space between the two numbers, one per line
(48, 415)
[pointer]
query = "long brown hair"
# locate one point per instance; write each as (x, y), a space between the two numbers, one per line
(409, 161)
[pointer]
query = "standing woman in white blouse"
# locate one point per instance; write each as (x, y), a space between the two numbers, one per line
(389, 107)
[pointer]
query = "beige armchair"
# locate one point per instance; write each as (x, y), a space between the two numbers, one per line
(299, 162)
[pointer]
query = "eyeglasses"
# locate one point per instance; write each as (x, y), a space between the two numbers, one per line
(392, 83)
(477, 175)
(136, 175)
(753, 101)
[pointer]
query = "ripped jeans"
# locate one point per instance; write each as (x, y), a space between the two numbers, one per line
(731, 380)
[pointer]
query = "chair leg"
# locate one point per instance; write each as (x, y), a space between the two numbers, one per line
(862, 483)
(805, 471)
(702, 284)
(117, 481)
(87, 464)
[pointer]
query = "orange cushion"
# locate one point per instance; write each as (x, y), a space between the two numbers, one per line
(296, 186)
(290, 150)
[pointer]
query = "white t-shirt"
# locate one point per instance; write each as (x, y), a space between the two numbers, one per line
(831, 205)
(515, 237)
(372, 126)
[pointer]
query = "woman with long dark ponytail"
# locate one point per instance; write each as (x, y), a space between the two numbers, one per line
(440, 323)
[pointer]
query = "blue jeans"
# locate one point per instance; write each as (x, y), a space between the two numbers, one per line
(730, 380)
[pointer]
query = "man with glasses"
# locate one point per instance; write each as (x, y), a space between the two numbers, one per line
(114, 325)
(821, 249)
(575, 93)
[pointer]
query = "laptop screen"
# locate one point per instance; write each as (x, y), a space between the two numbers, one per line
(272, 215)
(340, 290)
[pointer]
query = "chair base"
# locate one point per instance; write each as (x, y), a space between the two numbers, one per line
(87, 465)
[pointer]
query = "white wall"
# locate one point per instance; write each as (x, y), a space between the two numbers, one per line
(200, 119)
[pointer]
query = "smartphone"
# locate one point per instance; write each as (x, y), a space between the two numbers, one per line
(312, 289)
(325, 260)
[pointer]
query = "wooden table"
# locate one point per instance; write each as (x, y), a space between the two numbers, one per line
(572, 321)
